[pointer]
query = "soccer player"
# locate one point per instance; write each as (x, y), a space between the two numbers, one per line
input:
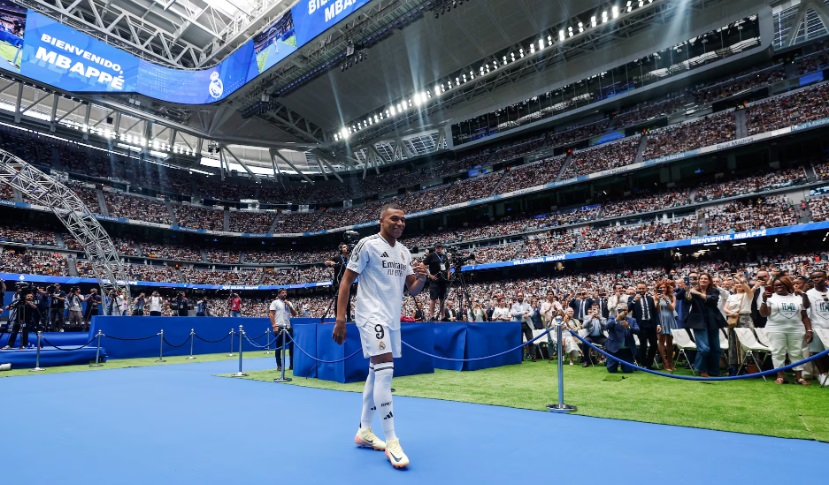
(384, 266)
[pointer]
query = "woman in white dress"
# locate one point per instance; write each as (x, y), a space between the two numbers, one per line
(786, 327)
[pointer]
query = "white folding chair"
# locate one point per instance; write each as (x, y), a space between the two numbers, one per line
(683, 342)
(762, 336)
(724, 340)
(823, 335)
(751, 345)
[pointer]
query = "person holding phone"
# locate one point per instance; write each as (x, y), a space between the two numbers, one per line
(620, 343)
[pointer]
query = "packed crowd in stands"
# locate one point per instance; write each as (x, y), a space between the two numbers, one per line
(750, 214)
(6, 192)
(809, 104)
(199, 217)
(603, 157)
(221, 277)
(251, 222)
(471, 189)
(701, 132)
(26, 235)
(539, 173)
(822, 170)
(138, 208)
(746, 185)
(223, 256)
(752, 79)
(88, 195)
(170, 251)
(640, 203)
(819, 207)
(618, 236)
(298, 275)
(30, 261)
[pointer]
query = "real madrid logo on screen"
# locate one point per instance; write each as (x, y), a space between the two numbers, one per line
(216, 86)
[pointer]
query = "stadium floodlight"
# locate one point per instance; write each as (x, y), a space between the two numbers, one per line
(540, 44)
(561, 35)
(593, 21)
(615, 11)
(438, 90)
(629, 6)
(344, 134)
(532, 48)
(581, 27)
(604, 16)
(549, 40)
(570, 31)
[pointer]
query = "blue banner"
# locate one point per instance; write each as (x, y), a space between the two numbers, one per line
(61, 56)
(313, 17)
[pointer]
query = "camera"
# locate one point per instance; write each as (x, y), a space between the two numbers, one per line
(458, 258)
(23, 288)
(351, 237)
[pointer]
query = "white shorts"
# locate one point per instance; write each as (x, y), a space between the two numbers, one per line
(379, 339)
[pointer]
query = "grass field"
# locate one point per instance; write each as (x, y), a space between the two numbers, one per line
(7, 52)
(745, 406)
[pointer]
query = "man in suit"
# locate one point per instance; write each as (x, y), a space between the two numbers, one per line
(450, 313)
(643, 309)
(581, 305)
(757, 292)
(523, 312)
(602, 301)
(620, 343)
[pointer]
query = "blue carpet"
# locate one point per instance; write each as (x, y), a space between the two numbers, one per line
(180, 424)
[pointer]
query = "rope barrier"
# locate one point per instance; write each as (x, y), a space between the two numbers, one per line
(702, 379)
(476, 359)
(260, 346)
(67, 350)
(259, 336)
(323, 360)
(128, 339)
(213, 341)
(177, 346)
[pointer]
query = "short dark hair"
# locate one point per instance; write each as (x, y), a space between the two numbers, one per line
(389, 206)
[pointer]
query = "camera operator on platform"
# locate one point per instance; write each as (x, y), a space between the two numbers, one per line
(438, 264)
(22, 315)
(338, 263)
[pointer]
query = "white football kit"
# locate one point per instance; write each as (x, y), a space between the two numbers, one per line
(383, 270)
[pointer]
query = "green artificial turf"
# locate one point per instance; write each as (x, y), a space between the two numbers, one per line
(8, 52)
(744, 406)
(127, 363)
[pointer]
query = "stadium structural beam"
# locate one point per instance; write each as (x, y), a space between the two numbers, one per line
(275, 153)
(243, 164)
(322, 169)
(76, 217)
(53, 126)
(327, 163)
(804, 7)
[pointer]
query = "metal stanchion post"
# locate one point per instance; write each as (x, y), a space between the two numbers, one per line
(560, 407)
(267, 341)
(192, 340)
(37, 356)
(231, 354)
(282, 332)
(98, 351)
(161, 346)
(241, 342)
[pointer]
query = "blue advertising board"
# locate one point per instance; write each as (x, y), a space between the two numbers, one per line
(47, 51)
(313, 17)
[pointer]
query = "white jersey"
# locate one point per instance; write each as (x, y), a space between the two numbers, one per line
(818, 308)
(383, 270)
(281, 315)
(155, 304)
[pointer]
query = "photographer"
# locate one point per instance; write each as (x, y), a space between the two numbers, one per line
(182, 304)
(93, 299)
(138, 305)
(42, 302)
(202, 307)
(439, 275)
(156, 304)
(57, 307)
(339, 263)
(234, 302)
(75, 309)
(22, 313)
(594, 325)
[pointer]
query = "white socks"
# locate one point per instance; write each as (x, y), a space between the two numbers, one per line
(368, 400)
(383, 374)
